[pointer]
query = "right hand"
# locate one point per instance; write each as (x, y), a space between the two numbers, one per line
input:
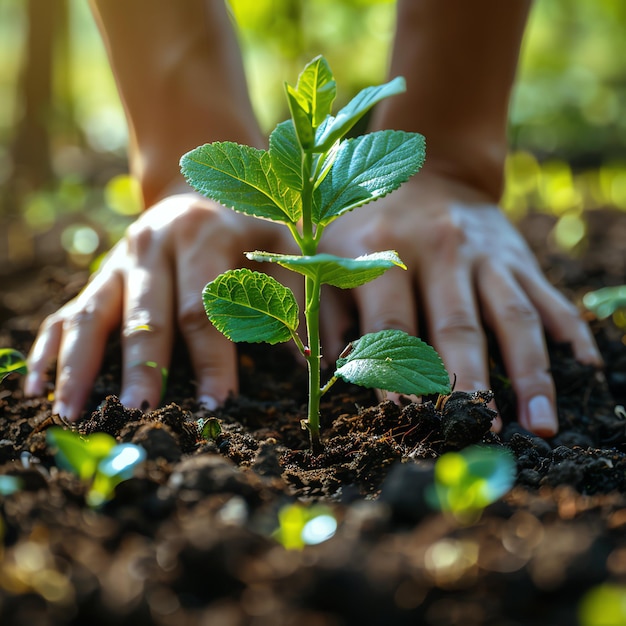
(149, 282)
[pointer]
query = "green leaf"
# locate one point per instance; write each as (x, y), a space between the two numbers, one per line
(317, 86)
(301, 117)
(11, 361)
(300, 525)
(471, 479)
(604, 302)
(241, 178)
(311, 100)
(118, 466)
(121, 461)
(337, 127)
(210, 428)
(333, 270)
(79, 454)
(286, 156)
(395, 361)
(9, 485)
(251, 306)
(367, 168)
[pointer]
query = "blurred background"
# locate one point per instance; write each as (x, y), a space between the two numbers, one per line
(65, 195)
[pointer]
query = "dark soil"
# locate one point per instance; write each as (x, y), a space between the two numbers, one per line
(189, 540)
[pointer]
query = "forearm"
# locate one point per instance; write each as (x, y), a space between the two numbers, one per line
(459, 59)
(180, 76)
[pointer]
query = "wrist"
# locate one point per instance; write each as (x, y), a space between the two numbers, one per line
(474, 161)
(473, 157)
(155, 152)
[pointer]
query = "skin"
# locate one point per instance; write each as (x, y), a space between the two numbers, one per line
(468, 267)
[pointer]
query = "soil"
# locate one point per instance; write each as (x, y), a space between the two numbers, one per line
(190, 539)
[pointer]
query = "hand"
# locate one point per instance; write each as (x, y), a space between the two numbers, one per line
(150, 281)
(466, 265)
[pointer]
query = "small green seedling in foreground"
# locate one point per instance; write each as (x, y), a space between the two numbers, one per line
(469, 480)
(11, 362)
(300, 525)
(603, 605)
(210, 428)
(97, 459)
(606, 301)
(310, 176)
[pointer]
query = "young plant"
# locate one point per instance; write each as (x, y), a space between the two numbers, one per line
(98, 460)
(468, 481)
(310, 176)
(300, 525)
(11, 362)
(606, 301)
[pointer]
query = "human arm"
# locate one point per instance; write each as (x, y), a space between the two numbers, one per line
(181, 81)
(468, 266)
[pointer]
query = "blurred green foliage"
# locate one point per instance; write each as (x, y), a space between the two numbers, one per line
(567, 121)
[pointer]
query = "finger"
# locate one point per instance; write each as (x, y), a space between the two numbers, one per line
(42, 354)
(518, 328)
(87, 324)
(561, 318)
(455, 327)
(213, 356)
(147, 328)
(387, 303)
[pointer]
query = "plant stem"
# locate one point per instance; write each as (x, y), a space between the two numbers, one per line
(313, 362)
(328, 385)
(312, 306)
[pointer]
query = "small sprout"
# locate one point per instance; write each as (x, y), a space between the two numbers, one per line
(115, 468)
(9, 485)
(210, 428)
(603, 605)
(98, 460)
(606, 301)
(11, 362)
(300, 525)
(469, 480)
(311, 175)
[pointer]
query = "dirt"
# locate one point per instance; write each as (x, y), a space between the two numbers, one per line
(190, 539)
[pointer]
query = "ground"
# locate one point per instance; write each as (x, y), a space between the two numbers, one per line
(191, 538)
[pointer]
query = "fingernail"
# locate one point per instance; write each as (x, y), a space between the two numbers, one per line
(62, 409)
(208, 402)
(541, 417)
(34, 384)
(133, 400)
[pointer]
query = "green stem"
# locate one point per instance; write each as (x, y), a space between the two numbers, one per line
(312, 306)
(313, 361)
(328, 385)
(298, 342)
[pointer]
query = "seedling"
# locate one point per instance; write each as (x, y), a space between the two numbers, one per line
(467, 481)
(603, 605)
(11, 362)
(300, 525)
(310, 176)
(606, 301)
(97, 459)
(210, 428)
